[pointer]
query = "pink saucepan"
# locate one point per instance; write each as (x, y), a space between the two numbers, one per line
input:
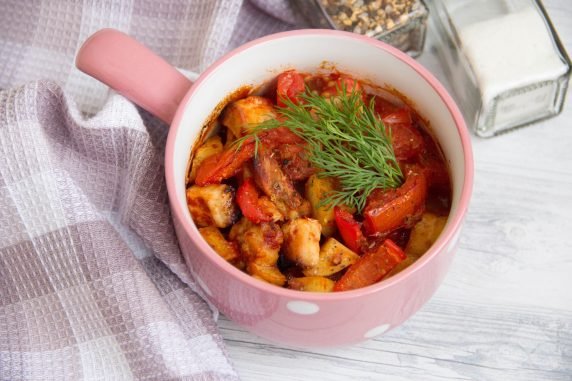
(279, 314)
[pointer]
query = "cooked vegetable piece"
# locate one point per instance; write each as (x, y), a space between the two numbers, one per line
(244, 114)
(253, 207)
(259, 246)
(278, 136)
(334, 257)
(211, 147)
(269, 274)
(406, 140)
(349, 229)
(226, 164)
(317, 189)
(302, 241)
(289, 84)
(391, 245)
(401, 266)
(293, 160)
(424, 234)
(212, 205)
(229, 138)
(274, 183)
(383, 107)
(396, 208)
(229, 162)
(268, 208)
(334, 87)
(398, 117)
(311, 284)
(393, 248)
(228, 250)
(371, 267)
(434, 167)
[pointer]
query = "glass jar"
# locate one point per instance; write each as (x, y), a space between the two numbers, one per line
(504, 61)
(400, 23)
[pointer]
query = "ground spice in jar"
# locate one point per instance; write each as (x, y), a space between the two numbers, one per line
(400, 23)
(370, 17)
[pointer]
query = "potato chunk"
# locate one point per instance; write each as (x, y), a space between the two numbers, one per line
(215, 239)
(242, 115)
(312, 284)
(270, 209)
(212, 205)
(317, 189)
(302, 241)
(424, 234)
(334, 257)
(210, 147)
(269, 274)
(259, 245)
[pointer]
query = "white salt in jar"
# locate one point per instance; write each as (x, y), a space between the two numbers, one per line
(505, 62)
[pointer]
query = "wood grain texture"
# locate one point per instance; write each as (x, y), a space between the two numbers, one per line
(504, 311)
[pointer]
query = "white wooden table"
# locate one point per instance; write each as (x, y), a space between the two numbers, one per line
(504, 311)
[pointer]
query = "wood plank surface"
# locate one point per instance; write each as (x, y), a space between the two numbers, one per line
(504, 311)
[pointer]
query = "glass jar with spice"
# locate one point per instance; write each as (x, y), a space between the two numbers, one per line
(504, 61)
(401, 23)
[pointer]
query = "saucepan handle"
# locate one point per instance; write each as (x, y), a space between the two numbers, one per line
(134, 71)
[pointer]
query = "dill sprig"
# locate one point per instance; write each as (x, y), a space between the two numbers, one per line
(345, 141)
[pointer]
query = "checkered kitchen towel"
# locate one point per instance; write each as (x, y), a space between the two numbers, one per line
(92, 283)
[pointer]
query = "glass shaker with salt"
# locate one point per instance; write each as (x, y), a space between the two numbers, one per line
(505, 62)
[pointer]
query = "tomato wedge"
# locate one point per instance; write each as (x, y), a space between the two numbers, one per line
(290, 84)
(247, 200)
(406, 140)
(396, 208)
(435, 169)
(371, 267)
(383, 107)
(350, 85)
(398, 117)
(349, 229)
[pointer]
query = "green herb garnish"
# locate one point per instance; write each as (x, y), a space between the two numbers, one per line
(346, 140)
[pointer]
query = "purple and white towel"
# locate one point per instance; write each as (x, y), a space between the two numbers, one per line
(92, 283)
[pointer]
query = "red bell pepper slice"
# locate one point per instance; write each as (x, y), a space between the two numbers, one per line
(371, 267)
(392, 209)
(394, 250)
(290, 84)
(226, 164)
(247, 199)
(349, 229)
